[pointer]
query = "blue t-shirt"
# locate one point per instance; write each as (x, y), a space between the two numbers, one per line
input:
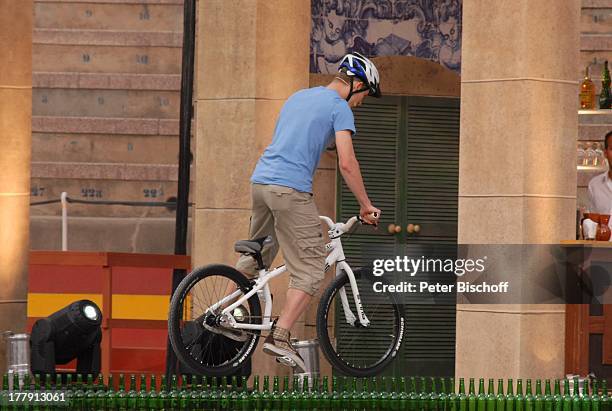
(306, 126)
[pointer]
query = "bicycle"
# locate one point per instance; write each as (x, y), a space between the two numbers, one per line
(214, 325)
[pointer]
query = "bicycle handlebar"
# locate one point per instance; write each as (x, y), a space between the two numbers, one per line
(349, 223)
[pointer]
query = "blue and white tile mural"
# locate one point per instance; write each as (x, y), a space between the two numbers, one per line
(429, 29)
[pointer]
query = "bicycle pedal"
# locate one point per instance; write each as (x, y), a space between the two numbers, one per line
(286, 361)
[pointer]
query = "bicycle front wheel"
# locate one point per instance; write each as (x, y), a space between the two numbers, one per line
(197, 332)
(353, 349)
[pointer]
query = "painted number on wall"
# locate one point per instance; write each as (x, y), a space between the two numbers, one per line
(37, 191)
(91, 193)
(153, 192)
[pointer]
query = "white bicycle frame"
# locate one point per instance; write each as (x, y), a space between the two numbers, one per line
(335, 256)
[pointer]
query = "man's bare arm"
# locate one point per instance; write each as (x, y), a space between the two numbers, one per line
(349, 168)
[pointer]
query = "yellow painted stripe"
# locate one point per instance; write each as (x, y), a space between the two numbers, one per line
(43, 305)
(140, 307)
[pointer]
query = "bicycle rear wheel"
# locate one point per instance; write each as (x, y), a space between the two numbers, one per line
(343, 344)
(196, 332)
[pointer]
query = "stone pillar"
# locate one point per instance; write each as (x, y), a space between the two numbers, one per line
(251, 56)
(16, 18)
(517, 180)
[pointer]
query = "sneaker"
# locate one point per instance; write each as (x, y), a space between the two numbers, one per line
(278, 344)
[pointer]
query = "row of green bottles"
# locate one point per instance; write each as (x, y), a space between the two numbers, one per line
(346, 394)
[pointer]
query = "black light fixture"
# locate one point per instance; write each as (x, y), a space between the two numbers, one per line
(72, 332)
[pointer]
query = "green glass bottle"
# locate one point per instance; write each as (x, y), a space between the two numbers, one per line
(276, 394)
(194, 392)
(345, 395)
(243, 396)
(121, 394)
(452, 396)
(567, 398)
(471, 397)
(519, 402)
(36, 406)
(325, 397)
(111, 394)
(413, 396)
(605, 98)
(490, 398)
(46, 406)
(335, 401)
(305, 395)
(576, 395)
(443, 396)
(173, 394)
(184, 394)
(403, 396)
(68, 391)
(365, 395)
(375, 396)
(4, 393)
(141, 394)
(152, 400)
(539, 398)
(163, 399)
(211, 396)
(585, 404)
(78, 396)
(434, 397)
(510, 398)
(424, 396)
(225, 395)
(256, 397)
(132, 394)
(393, 398)
(90, 394)
(315, 394)
(286, 395)
(60, 405)
(500, 398)
(233, 394)
(481, 398)
(461, 397)
(557, 397)
(595, 398)
(605, 398)
(549, 404)
(529, 398)
(266, 397)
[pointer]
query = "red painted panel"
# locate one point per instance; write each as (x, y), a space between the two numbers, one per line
(142, 280)
(138, 360)
(139, 338)
(65, 279)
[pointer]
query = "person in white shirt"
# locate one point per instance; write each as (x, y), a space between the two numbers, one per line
(600, 186)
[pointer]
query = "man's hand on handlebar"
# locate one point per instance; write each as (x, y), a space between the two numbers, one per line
(369, 215)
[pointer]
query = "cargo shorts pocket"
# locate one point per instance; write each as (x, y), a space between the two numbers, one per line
(309, 241)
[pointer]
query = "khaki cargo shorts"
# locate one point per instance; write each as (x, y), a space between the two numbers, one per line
(292, 219)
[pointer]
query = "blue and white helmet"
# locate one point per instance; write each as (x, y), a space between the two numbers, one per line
(355, 64)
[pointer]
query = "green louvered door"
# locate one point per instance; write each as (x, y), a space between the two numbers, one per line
(408, 150)
(431, 164)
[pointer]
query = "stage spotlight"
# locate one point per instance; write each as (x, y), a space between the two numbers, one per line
(72, 332)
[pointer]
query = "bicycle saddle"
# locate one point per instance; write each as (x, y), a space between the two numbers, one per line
(252, 246)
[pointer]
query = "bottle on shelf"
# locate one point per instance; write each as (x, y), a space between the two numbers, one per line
(605, 98)
(529, 398)
(587, 92)
(471, 397)
(500, 398)
(538, 398)
(152, 400)
(576, 395)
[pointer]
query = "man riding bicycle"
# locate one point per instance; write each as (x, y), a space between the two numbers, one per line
(283, 205)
